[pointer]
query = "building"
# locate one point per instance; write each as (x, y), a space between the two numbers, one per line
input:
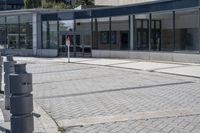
(11, 4)
(167, 30)
(119, 2)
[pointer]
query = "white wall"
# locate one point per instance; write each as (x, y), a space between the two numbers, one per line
(161, 56)
(119, 2)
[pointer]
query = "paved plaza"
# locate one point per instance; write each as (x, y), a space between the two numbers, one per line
(117, 96)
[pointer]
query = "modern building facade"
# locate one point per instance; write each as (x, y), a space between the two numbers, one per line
(11, 4)
(167, 30)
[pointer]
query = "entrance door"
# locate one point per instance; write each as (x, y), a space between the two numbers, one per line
(142, 33)
(13, 41)
(79, 46)
(62, 50)
(124, 40)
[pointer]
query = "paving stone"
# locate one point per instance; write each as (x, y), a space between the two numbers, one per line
(70, 91)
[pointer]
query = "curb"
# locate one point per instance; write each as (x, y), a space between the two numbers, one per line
(48, 124)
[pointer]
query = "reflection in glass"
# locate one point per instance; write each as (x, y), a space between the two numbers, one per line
(49, 35)
(84, 37)
(142, 32)
(12, 32)
(120, 33)
(12, 19)
(103, 27)
(53, 35)
(187, 30)
(44, 35)
(162, 32)
(66, 25)
(25, 31)
(94, 34)
(2, 33)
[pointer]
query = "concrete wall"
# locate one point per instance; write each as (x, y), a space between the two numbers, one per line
(47, 52)
(17, 52)
(161, 56)
(119, 2)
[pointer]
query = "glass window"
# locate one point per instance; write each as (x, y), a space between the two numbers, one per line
(83, 40)
(95, 34)
(13, 32)
(119, 37)
(142, 32)
(2, 36)
(103, 33)
(2, 20)
(162, 32)
(2, 33)
(44, 35)
(12, 20)
(27, 18)
(25, 38)
(53, 34)
(50, 34)
(66, 25)
(187, 30)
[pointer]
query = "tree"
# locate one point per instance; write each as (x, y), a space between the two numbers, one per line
(84, 2)
(32, 3)
(36, 3)
(58, 4)
(27, 4)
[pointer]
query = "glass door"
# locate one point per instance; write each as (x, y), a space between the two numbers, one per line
(2, 36)
(83, 44)
(124, 37)
(86, 44)
(142, 35)
(62, 50)
(13, 41)
(79, 44)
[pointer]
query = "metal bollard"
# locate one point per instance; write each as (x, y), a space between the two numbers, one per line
(9, 58)
(21, 100)
(8, 69)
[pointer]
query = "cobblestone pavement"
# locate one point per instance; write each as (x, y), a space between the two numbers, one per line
(72, 91)
(189, 124)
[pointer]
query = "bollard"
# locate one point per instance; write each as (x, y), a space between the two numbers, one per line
(21, 100)
(1, 63)
(8, 69)
(9, 58)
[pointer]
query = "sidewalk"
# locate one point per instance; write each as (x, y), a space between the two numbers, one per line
(177, 68)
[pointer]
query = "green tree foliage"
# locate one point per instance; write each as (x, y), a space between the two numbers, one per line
(36, 3)
(27, 4)
(32, 3)
(84, 2)
(58, 4)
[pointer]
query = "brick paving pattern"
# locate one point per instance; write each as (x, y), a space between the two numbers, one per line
(71, 91)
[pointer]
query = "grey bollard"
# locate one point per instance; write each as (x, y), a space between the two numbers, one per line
(9, 58)
(8, 69)
(21, 100)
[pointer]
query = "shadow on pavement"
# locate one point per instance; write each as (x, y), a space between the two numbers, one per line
(113, 90)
